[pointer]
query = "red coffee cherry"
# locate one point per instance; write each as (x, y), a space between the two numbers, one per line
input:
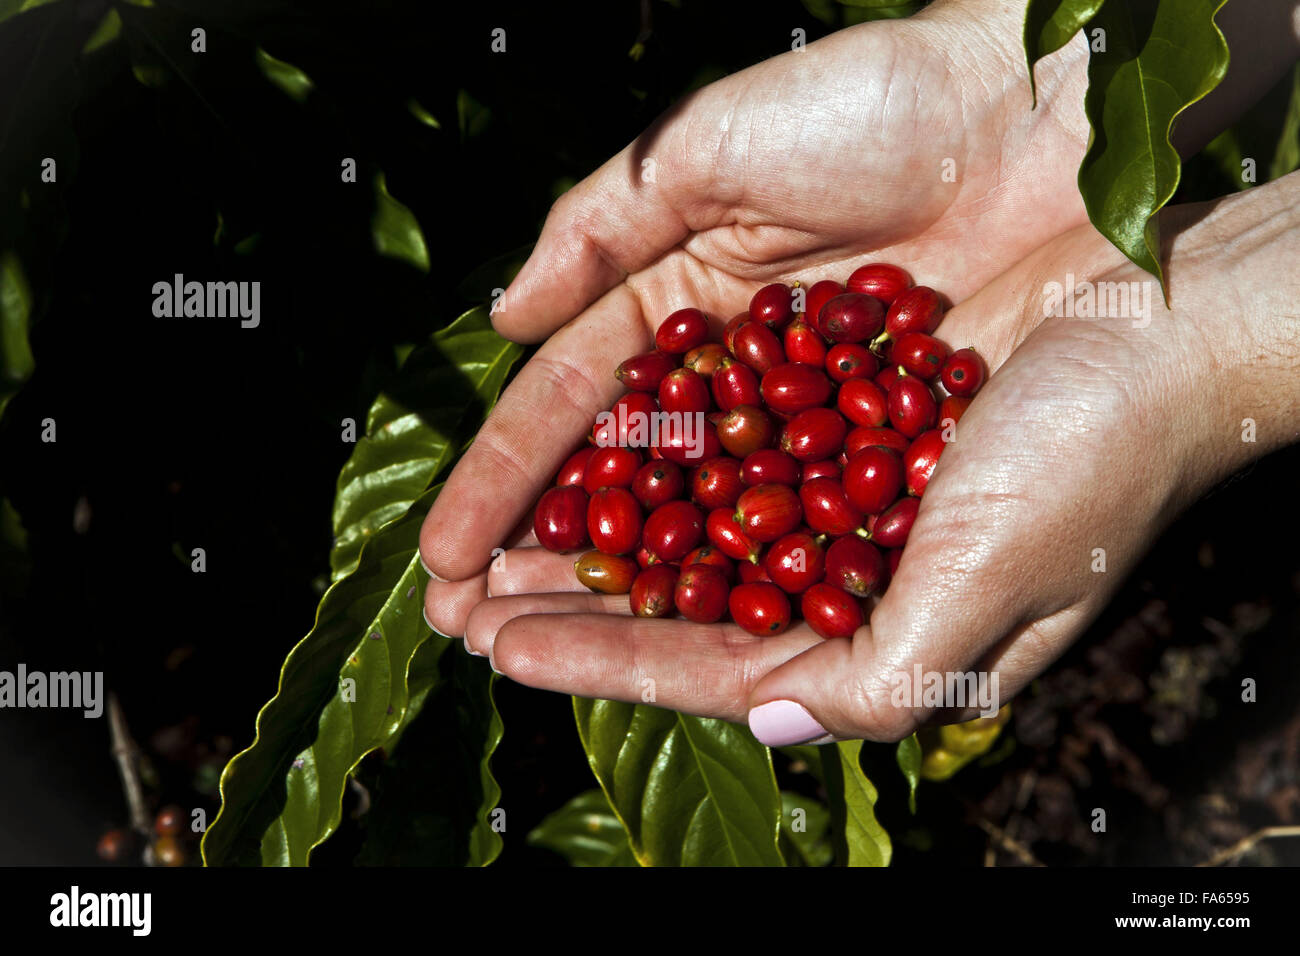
(795, 562)
(881, 280)
(827, 508)
(560, 522)
(814, 434)
(864, 403)
(717, 484)
(167, 851)
(770, 466)
(912, 408)
(708, 554)
(758, 347)
(855, 566)
(894, 558)
(730, 329)
(845, 362)
(114, 845)
(746, 429)
(916, 310)
(726, 534)
(652, 591)
(705, 359)
(682, 331)
(644, 372)
(760, 608)
(804, 344)
(673, 530)
(735, 384)
(631, 413)
(831, 612)
(895, 524)
(886, 377)
(574, 467)
(606, 573)
(684, 391)
(678, 446)
(773, 306)
(828, 468)
(749, 572)
(873, 479)
(701, 594)
(792, 388)
(861, 438)
(952, 408)
(657, 483)
(963, 373)
(614, 521)
(852, 317)
(610, 468)
(920, 458)
(819, 293)
(920, 355)
(767, 512)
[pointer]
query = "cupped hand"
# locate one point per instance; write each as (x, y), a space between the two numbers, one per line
(906, 141)
(1091, 434)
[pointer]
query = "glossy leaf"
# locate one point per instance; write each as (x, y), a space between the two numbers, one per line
(950, 747)
(282, 796)
(1050, 25)
(292, 81)
(395, 229)
(417, 427)
(1259, 149)
(16, 361)
(434, 798)
(859, 838)
(909, 758)
(805, 831)
(1159, 59)
(585, 832)
(690, 791)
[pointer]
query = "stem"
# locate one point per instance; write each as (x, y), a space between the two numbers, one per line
(126, 755)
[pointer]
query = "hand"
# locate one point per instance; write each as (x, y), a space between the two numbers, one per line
(800, 166)
(1092, 433)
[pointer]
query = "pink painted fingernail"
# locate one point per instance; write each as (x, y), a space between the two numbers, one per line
(779, 723)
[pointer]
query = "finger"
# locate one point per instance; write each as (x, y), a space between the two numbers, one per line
(447, 605)
(532, 571)
(488, 617)
(617, 221)
(555, 397)
(703, 669)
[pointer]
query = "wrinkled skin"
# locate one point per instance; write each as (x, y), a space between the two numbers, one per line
(1091, 434)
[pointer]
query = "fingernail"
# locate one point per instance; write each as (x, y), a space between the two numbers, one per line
(425, 614)
(470, 651)
(428, 572)
(492, 664)
(779, 723)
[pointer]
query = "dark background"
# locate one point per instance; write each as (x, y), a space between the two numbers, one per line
(176, 434)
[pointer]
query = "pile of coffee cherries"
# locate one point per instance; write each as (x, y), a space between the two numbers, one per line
(785, 463)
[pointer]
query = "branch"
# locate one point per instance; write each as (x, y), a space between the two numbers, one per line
(1246, 843)
(127, 754)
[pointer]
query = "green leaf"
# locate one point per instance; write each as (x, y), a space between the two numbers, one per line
(585, 832)
(432, 801)
(908, 756)
(283, 795)
(1159, 59)
(417, 427)
(15, 563)
(690, 791)
(16, 361)
(1050, 25)
(860, 840)
(296, 84)
(395, 229)
(11, 8)
(805, 831)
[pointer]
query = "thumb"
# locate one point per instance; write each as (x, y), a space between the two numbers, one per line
(617, 221)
